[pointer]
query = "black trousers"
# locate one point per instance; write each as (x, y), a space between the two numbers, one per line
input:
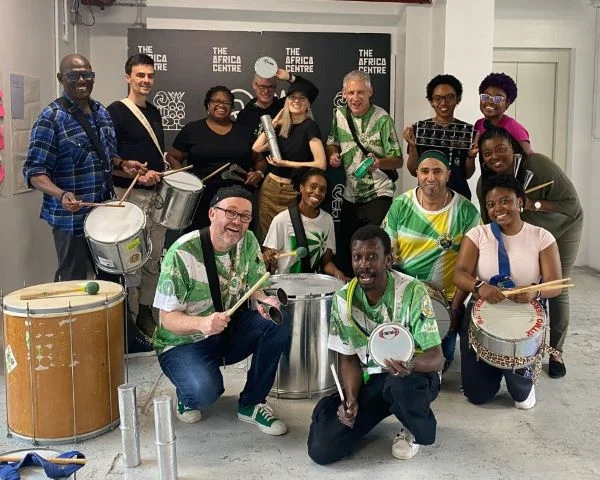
(352, 217)
(481, 381)
(73, 254)
(407, 398)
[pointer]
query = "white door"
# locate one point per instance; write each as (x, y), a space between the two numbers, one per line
(542, 77)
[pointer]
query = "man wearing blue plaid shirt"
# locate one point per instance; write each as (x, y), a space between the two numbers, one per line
(63, 164)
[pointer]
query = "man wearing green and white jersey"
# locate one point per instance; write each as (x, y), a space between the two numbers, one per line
(195, 337)
(406, 389)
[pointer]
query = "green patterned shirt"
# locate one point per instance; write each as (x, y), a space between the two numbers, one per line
(376, 131)
(404, 301)
(183, 283)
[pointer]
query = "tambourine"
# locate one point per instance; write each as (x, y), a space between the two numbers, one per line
(265, 67)
(390, 340)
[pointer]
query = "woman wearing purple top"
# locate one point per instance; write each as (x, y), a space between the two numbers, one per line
(497, 92)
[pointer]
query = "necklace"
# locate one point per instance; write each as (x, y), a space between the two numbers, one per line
(446, 199)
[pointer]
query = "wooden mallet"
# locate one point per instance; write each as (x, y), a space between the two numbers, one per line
(300, 252)
(54, 460)
(91, 288)
(247, 295)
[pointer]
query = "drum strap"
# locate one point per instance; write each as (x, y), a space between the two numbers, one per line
(208, 253)
(392, 174)
(144, 121)
(301, 238)
(503, 278)
(78, 115)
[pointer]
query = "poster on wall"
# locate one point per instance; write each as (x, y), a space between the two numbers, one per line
(188, 63)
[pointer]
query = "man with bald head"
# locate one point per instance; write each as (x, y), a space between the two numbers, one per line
(426, 226)
(65, 165)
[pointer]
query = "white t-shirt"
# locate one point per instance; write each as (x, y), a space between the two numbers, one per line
(320, 236)
(523, 251)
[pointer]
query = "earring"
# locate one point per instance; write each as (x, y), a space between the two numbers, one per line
(521, 207)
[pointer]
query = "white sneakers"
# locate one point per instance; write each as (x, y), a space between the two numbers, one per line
(529, 402)
(404, 446)
(187, 415)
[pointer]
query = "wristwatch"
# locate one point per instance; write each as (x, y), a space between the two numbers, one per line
(478, 285)
(537, 205)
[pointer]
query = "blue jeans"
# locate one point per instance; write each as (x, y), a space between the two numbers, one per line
(194, 368)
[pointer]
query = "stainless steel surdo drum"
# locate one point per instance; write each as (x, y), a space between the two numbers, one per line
(175, 200)
(117, 237)
(304, 368)
(507, 335)
(64, 361)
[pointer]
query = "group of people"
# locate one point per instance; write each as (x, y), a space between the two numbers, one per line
(430, 233)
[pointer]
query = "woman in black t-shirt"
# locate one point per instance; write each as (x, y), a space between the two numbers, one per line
(299, 140)
(210, 143)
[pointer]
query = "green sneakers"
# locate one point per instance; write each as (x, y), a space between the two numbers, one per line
(187, 415)
(262, 416)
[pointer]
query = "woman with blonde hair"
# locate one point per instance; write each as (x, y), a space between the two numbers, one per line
(299, 140)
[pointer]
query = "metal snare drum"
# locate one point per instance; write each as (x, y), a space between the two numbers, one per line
(441, 307)
(507, 334)
(304, 367)
(117, 237)
(175, 200)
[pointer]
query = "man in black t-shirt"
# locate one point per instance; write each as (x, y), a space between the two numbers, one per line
(134, 118)
(265, 102)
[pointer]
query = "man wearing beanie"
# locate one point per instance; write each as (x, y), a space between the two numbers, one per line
(426, 226)
(204, 274)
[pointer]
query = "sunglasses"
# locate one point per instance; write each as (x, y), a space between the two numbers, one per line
(75, 76)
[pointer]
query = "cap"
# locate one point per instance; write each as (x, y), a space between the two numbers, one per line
(231, 191)
(307, 89)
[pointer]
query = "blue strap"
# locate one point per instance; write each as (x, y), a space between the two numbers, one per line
(503, 278)
(9, 471)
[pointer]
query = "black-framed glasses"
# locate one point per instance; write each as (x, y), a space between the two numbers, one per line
(75, 76)
(437, 99)
(221, 103)
(232, 215)
(265, 88)
(496, 99)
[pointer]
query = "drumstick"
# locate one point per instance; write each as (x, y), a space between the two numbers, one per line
(171, 172)
(218, 170)
(538, 187)
(91, 288)
(337, 383)
(300, 252)
(538, 286)
(55, 460)
(509, 293)
(246, 296)
(94, 204)
(131, 186)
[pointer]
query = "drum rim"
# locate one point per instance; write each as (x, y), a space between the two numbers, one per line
(273, 287)
(385, 325)
(477, 305)
(104, 300)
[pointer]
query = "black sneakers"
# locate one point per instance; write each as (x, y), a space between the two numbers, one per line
(145, 320)
(140, 347)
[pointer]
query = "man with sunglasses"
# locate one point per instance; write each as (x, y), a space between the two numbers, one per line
(71, 165)
(265, 102)
(204, 274)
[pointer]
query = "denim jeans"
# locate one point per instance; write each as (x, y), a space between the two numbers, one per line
(194, 368)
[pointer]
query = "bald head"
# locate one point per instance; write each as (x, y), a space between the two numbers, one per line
(74, 61)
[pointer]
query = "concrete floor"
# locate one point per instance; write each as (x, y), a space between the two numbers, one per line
(557, 439)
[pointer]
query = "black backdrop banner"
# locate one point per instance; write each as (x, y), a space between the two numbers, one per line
(188, 63)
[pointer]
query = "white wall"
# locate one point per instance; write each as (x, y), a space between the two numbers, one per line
(564, 24)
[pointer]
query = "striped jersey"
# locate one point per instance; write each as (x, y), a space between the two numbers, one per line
(425, 243)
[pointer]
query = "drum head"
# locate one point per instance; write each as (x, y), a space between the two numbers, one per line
(112, 225)
(391, 341)
(60, 303)
(265, 67)
(304, 285)
(508, 320)
(34, 472)
(184, 181)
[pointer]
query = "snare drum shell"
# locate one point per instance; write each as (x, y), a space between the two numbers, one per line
(67, 367)
(304, 369)
(174, 207)
(441, 307)
(524, 347)
(121, 256)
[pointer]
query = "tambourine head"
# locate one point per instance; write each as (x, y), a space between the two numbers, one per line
(391, 341)
(265, 67)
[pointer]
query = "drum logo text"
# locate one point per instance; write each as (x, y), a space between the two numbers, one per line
(388, 333)
(539, 323)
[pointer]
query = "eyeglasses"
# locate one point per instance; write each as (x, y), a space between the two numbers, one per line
(75, 76)
(265, 88)
(497, 99)
(221, 103)
(437, 99)
(232, 215)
